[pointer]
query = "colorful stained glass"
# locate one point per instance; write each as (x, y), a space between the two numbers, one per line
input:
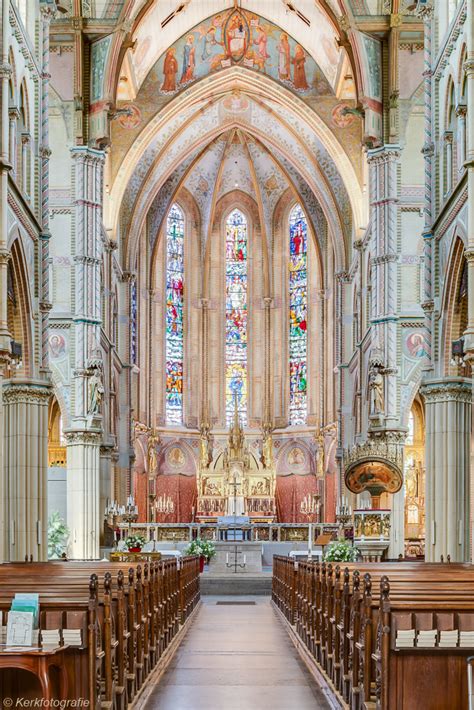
(236, 316)
(174, 315)
(298, 315)
(133, 338)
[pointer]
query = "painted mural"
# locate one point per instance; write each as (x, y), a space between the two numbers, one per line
(99, 53)
(242, 38)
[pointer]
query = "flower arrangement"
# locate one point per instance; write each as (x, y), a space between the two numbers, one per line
(341, 551)
(134, 542)
(202, 548)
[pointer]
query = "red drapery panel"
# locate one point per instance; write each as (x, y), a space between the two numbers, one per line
(290, 491)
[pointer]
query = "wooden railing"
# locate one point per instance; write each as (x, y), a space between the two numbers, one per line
(348, 619)
(127, 621)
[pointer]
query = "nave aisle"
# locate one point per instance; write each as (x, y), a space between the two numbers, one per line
(237, 656)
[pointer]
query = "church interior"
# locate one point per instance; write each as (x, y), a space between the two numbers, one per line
(236, 347)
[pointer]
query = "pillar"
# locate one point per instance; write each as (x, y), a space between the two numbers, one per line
(84, 435)
(26, 469)
(267, 370)
(83, 493)
(448, 428)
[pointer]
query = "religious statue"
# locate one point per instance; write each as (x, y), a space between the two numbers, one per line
(320, 461)
(267, 447)
(153, 440)
(376, 390)
(205, 451)
(411, 482)
(96, 391)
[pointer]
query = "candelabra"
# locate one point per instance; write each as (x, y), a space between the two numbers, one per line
(164, 505)
(310, 505)
(116, 513)
(234, 563)
(343, 511)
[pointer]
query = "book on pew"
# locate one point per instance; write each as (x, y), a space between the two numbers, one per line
(50, 638)
(448, 639)
(27, 603)
(72, 637)
(427, 638)
(405, 638)
(466, 639)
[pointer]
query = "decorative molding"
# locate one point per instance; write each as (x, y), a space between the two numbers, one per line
(81, 437)
(447, 391)
(26, 394)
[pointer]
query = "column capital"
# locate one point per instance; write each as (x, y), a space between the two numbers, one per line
(454, 389)
(83, 436)
(26, 393)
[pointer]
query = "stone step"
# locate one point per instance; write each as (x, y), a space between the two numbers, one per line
(236, 584)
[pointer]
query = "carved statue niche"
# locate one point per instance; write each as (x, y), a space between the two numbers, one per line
(320, 465)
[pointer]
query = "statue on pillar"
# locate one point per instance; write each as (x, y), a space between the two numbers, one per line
(205, 447)
(95, 390)
(152, 443)
(376, 383)
(267, 447)
(319, 437)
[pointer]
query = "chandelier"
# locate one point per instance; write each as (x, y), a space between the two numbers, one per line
(164, 505)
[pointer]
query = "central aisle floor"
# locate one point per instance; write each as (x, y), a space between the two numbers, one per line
(237, 657)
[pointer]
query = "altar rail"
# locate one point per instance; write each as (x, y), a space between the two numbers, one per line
(348, 619)
(259, 532)
(127, 622)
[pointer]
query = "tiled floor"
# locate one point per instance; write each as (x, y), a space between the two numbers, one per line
(237, 658)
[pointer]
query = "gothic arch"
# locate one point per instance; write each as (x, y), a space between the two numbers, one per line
(453, 305)
(19, 305)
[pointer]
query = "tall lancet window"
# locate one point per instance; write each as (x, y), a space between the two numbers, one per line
(174, 315)
(236, 316)
(298, 300)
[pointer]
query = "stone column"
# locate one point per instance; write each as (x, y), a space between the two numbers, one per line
(5, 167)
(26, 469)
(85, 433)
(469, 333)
(267, 370)
(205, 415)
(448, 429)
(384, 171)
(83, 493)
(13, 115)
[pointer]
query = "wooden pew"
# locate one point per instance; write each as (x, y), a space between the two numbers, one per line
(336, 615)
(127, 623)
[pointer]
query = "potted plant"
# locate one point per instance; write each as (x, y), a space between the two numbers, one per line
(204, 548)
(134, 543)
(341, 551)
(58, 534)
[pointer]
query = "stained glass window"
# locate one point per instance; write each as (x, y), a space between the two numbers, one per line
(174, 315)
(236, 316)
(298, 263)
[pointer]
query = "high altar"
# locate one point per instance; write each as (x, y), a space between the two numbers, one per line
(236, 483)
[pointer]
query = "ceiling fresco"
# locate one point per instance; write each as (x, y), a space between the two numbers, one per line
(318, 39)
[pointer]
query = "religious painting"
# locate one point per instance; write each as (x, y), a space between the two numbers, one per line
(236, 316)
(341, 119)
(133, 119)
(260, 487)
(240, 37)
(99, 52)
(57, 346)
(211, 486)
(296, 457)
(174, 315)
(373, 48)
(298, 315)
(415, 345)
(176, 457)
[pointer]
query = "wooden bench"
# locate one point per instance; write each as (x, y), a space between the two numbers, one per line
(127, 619)
(337, 616)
